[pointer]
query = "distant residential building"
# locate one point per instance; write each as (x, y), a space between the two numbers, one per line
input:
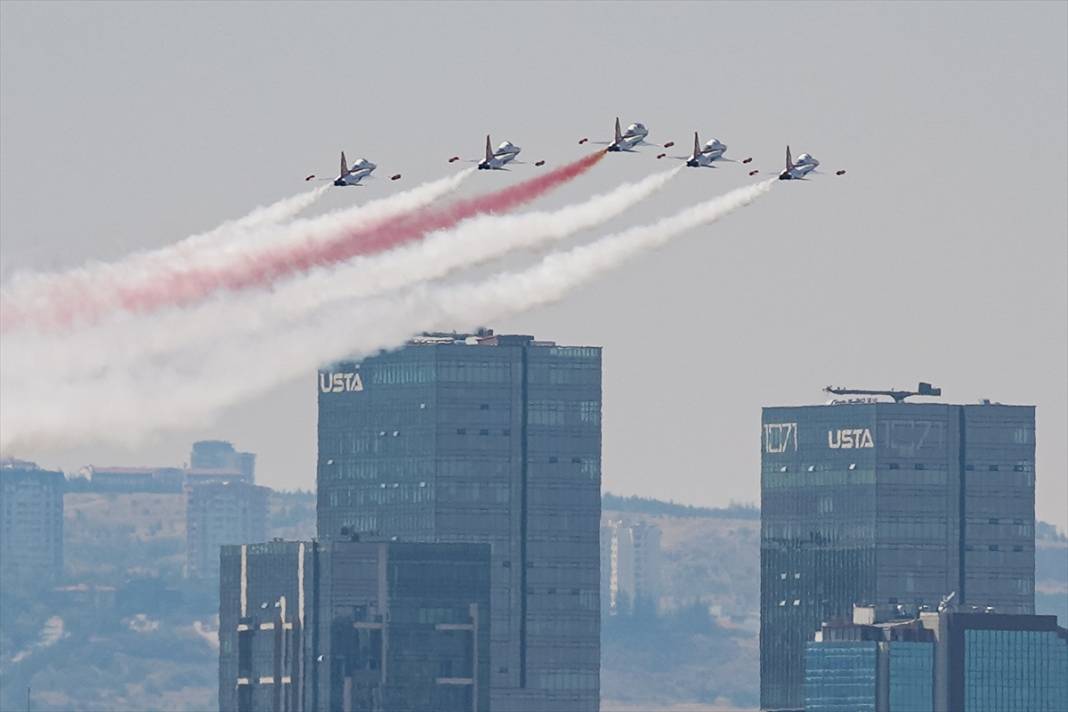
(134, 479)
(888, 503)
(483, 438)
(344, 625)
(220, 455)
(31, 525)
(219, 513)
(947, 661)
(630, 566)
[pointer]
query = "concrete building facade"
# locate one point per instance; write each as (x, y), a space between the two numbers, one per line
(219, 513)
(352, 626)
(630, 566)
(31, 525)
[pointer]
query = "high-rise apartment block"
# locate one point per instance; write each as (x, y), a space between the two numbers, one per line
(31, 524)
(354, 626)
(219, 513)
(630, 566)
(888, 503)
(492, 439)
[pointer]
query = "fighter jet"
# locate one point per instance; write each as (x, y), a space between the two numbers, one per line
(703, 156)
(627, 140)
(352, 175)
(797, 171)
(495, 160)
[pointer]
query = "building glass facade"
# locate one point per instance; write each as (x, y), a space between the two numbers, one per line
(888, 503)
(999, 662)
(488, 439)
(841, 676)
(911, 683)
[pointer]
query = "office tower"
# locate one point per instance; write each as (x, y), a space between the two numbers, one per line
(630, 566)
(220, 455)
(219, 513)
(944, 661)
(354, 625)
(31, 524)
(490, 439)
(888, 503)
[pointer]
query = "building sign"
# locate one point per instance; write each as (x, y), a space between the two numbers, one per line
(340, 382)
(849, 438)
(778, 437)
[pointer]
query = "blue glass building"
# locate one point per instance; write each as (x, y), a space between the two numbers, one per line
(491, 439)
(888, 503)
(1002, 663)
(840, 676)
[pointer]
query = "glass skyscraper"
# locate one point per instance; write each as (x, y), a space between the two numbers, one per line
(888, 503)
(491, 439)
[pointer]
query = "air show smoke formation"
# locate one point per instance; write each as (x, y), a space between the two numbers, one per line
(263, 269)
(192, 379)
(86, 294)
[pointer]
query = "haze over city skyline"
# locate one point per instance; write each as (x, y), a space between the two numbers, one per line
(940, 256)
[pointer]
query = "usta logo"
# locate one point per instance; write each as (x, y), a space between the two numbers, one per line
(849, 438)
(340, 382)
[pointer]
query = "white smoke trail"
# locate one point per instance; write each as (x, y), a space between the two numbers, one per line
(191, 386)
(124, 341)
(31, 293)
(262, 216)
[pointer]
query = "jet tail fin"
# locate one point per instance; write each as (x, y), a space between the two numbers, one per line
(696, 144)
(489, 149)
(344, 165)
(789, 160)
(619, 134)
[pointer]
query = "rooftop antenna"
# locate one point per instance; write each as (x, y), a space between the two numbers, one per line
(923, 389)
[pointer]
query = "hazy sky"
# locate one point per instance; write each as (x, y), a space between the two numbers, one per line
(940, 256)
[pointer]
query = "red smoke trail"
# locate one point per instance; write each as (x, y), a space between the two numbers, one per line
(183, 286)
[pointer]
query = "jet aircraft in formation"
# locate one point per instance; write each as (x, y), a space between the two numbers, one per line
(628, 140)
(352, 175)
(704, 156)
(496, 159)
